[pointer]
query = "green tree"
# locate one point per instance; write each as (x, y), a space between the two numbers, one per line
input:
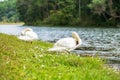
(8, 11)
(69, 12)
(108, 9)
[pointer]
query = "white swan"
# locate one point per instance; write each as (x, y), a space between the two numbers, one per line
(67, 43)
(23, 32)
(27, 34)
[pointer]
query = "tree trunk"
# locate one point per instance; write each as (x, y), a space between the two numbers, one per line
(79, 13)
(112, 12)
(110, 3)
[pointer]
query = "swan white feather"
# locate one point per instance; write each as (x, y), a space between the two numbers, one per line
(67, 43)
(23, 32)
(28, 35)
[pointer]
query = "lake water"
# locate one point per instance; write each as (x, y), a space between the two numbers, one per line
(96, 41)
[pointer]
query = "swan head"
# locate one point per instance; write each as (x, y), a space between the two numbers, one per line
(25, 30)
(75, 35)
(77, 38)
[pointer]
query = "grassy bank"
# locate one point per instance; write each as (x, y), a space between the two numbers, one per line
(25, 61)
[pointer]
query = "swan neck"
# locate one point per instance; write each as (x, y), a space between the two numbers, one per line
(77, 38)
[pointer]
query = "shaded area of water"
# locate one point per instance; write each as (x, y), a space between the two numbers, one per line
(96, 41)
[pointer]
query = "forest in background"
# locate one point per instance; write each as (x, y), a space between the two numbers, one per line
(104, 13)
(8, 11)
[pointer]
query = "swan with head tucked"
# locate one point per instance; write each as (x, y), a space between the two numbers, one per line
(68, 44)
(23, 32)
(27, 34)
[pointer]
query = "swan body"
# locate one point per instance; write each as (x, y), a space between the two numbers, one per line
(23, 32)
(28, 35)
(68, 44)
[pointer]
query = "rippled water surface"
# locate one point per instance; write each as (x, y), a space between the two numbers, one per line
(105, 41)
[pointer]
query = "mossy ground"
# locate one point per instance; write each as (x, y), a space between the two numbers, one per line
(21, 60)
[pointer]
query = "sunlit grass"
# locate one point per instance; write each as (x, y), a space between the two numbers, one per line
(11, 23)
(21, 60)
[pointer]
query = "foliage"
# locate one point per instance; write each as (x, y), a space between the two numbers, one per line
(107, 11)
(98, 6)
(20, 60)
(58, 18)
(69, 12)
(8, 12)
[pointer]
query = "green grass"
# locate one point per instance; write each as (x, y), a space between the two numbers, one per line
(21, 60)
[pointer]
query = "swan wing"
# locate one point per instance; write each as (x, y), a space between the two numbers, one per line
(31, 35)
(66, 42)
